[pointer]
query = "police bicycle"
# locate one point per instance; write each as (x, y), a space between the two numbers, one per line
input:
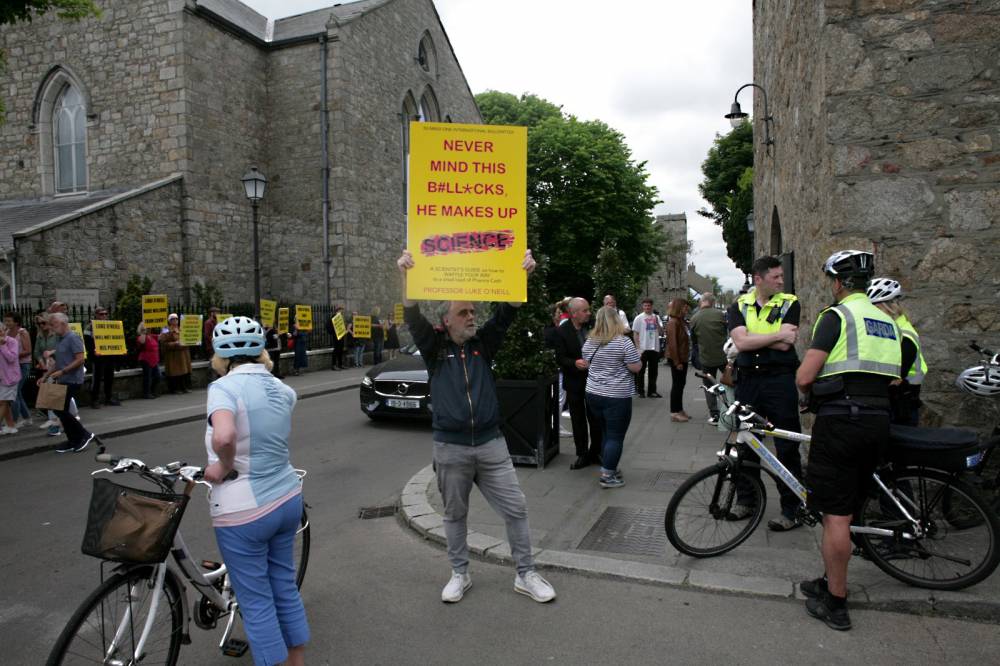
(902, 525)
(139, 614)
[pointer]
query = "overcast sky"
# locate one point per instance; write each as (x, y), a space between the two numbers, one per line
(663, 72)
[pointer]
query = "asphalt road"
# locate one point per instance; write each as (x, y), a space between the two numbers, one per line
(372, 589)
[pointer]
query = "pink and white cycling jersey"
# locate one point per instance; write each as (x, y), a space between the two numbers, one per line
(262, 406)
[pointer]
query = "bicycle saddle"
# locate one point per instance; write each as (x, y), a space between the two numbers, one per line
(909, 437)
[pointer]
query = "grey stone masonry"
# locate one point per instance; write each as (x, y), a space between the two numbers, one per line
(887, 138)
(208, 88)
(670, 280)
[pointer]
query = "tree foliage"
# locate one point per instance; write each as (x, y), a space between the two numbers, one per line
(728, 188)
(14, 11)
(586, 191)
(524, 354)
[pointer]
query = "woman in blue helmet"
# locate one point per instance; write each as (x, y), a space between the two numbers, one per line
(256, 514)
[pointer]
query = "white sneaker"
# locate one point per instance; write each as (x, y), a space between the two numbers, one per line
(456, 587)
(47, 424)
(535, 587)
(7, 430)
(563, 432)
(22, 422)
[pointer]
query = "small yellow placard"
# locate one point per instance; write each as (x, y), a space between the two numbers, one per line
(282, 320)
(304, 317)
(362, 326)
(397, 313)
(339, 327)
(191, 330)
(77, 328)
(154, 310)
(267, 309)
(109, 337)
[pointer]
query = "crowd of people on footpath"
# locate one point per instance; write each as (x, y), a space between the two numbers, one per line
(863, 369)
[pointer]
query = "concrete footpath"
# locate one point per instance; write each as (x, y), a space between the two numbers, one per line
(139, 415)
(578, 526)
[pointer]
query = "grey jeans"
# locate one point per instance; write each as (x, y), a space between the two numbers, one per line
(490, 468)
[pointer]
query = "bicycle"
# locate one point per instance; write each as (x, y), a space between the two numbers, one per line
(986, 475)
(140, 613)
(901, 526)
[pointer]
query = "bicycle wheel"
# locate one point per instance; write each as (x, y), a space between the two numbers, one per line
(120, 607)
(950, 555)
(714, 511)
(301, 552)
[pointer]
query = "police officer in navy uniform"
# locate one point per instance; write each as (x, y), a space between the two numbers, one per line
(763, 324)
(855, 355)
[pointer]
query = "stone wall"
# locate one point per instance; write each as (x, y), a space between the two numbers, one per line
(102, 249)
(372, 68)
(127, 62)
(226, 111)
(670, 280)
(886, 139)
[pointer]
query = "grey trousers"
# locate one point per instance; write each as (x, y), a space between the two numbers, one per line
(490, 468)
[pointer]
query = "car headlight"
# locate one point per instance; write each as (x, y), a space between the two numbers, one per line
(366, 381)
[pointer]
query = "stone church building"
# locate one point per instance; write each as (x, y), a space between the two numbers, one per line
(126, 137)
(886, 137)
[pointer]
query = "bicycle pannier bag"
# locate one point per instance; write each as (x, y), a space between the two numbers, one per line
(131, 525)
(51, 396)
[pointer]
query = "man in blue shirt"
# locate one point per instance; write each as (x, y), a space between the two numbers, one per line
(68, 370)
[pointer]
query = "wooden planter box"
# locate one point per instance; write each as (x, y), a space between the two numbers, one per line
(529, 412)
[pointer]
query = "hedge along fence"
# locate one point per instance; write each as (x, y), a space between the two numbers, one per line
(318, 338)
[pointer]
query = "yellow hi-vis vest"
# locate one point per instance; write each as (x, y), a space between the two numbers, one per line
(869, 340)
(919, 368)
(769, 319)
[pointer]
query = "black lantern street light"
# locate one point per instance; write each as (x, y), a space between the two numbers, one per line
(737, 116)
(254, 182)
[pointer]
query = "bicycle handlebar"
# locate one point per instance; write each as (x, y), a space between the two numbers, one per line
(981, 350)
(746, 412)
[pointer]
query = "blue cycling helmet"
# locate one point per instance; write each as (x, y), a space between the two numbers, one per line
(238, 336)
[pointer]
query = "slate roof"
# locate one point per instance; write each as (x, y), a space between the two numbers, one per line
(311, 23)
(19, 215)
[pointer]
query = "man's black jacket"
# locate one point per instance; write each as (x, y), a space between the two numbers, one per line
(568, 350)
(463, 394)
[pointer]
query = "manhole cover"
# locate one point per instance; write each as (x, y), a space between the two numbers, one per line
(628, 530)
(667, 482)
(369, 512)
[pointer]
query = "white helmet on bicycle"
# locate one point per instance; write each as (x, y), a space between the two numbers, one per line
(980, 380)
(238, 336)
(881, 290)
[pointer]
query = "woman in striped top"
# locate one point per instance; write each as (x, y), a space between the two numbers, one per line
(612, 360)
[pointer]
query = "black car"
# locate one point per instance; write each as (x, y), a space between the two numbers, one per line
(397, 388)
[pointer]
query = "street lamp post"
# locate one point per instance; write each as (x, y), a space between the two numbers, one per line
(254, 182)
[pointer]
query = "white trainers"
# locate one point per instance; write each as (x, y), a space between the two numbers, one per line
(535, 587)
(7, 430)
(22, 422)
(456, 587)
(48, 424)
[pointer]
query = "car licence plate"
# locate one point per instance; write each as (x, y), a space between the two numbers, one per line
(402, 404)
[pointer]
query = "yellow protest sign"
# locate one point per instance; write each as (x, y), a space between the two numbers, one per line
(77, 328)
(282, 320)
(339, 327)
(267, 309)
(109, 337)
(362, 326)
(397, 313)
(154, 310)
(466, 224)
(191, 329)
(304, 317)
